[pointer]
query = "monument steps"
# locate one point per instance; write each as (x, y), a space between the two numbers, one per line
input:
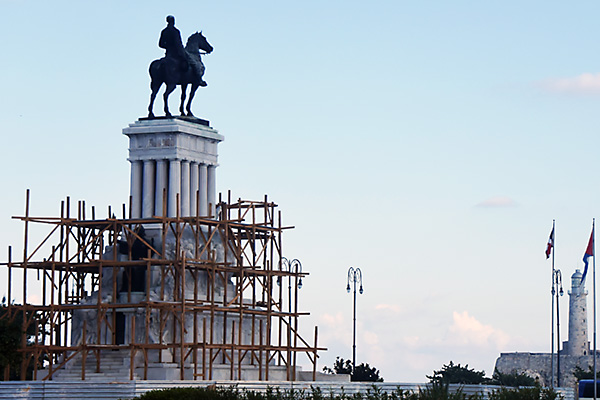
(114, 365)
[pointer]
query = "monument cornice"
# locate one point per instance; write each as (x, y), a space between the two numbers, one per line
(175, 125)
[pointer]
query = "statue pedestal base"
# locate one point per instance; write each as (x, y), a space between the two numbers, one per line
(183, 118)
(173, 156)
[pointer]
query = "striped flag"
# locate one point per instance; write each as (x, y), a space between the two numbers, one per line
(550, 244)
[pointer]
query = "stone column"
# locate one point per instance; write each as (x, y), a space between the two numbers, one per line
(212, 188)
(161, 185)
(174, 186)
(185, 188)
(148, 190)
(203, 190)
(136, 189)
(194, 184)
(160, 141)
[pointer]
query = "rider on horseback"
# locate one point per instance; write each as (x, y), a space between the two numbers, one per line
(180, 67)
(170, 40)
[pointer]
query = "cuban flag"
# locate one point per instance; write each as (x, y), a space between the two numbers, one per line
(550, 244)
(589, 252)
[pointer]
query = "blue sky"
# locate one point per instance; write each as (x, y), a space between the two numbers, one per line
(428, 143)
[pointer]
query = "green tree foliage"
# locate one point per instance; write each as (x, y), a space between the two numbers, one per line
(439, 390)
(11, 331)
(532, 393)
(436, 391)
(340, 366)
(456, 373)
(10, 341)
(362, 373)
(580, 373)
(190, 393)
(365, 373)
(433, 391)
(513, 380)
(452, 373)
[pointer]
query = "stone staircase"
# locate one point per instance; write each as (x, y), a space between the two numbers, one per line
(114, 366)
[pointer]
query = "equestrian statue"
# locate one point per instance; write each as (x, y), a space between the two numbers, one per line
(180, 66)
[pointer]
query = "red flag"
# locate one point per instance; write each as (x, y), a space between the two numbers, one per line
(589, 252)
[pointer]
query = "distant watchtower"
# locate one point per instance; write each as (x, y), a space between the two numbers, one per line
(578, 344)
(575, 351)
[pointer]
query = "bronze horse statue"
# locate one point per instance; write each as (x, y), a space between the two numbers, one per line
(169, 71)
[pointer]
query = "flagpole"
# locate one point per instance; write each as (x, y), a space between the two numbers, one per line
(558, 288)
(594, 277)
(552, 302)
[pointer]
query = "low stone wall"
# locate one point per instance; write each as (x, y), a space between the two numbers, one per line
(537, 365)
(128, 390)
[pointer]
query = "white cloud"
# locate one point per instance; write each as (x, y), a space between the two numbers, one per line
(410, 341)
(396, 345)
(461, 338)
(332, 320)
(467, 330)
(34, 299)
(389, 307)
(586, 83)
(498, 201)
(335, 328)
(371, 338)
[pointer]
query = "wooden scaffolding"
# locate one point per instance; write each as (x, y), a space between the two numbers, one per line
(214, 290)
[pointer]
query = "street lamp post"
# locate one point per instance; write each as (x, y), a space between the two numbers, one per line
(557, 289)
(354, 276)
(294, 267)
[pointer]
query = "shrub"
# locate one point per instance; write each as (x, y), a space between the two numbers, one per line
(439, 390)
(433, 391)
(456, 373)
(515, 379)
(362, 373)
(191, 393)
(534, 393)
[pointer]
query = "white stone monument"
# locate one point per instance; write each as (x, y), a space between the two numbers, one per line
(171, 159)
(187, 302)
(175, 157)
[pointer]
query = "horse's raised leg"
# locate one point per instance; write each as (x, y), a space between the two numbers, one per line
(183, 90)
(189, 104)
(168, 90)
(154, 87)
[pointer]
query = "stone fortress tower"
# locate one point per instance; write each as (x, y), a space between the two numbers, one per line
(575, 352)
(578, 344)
